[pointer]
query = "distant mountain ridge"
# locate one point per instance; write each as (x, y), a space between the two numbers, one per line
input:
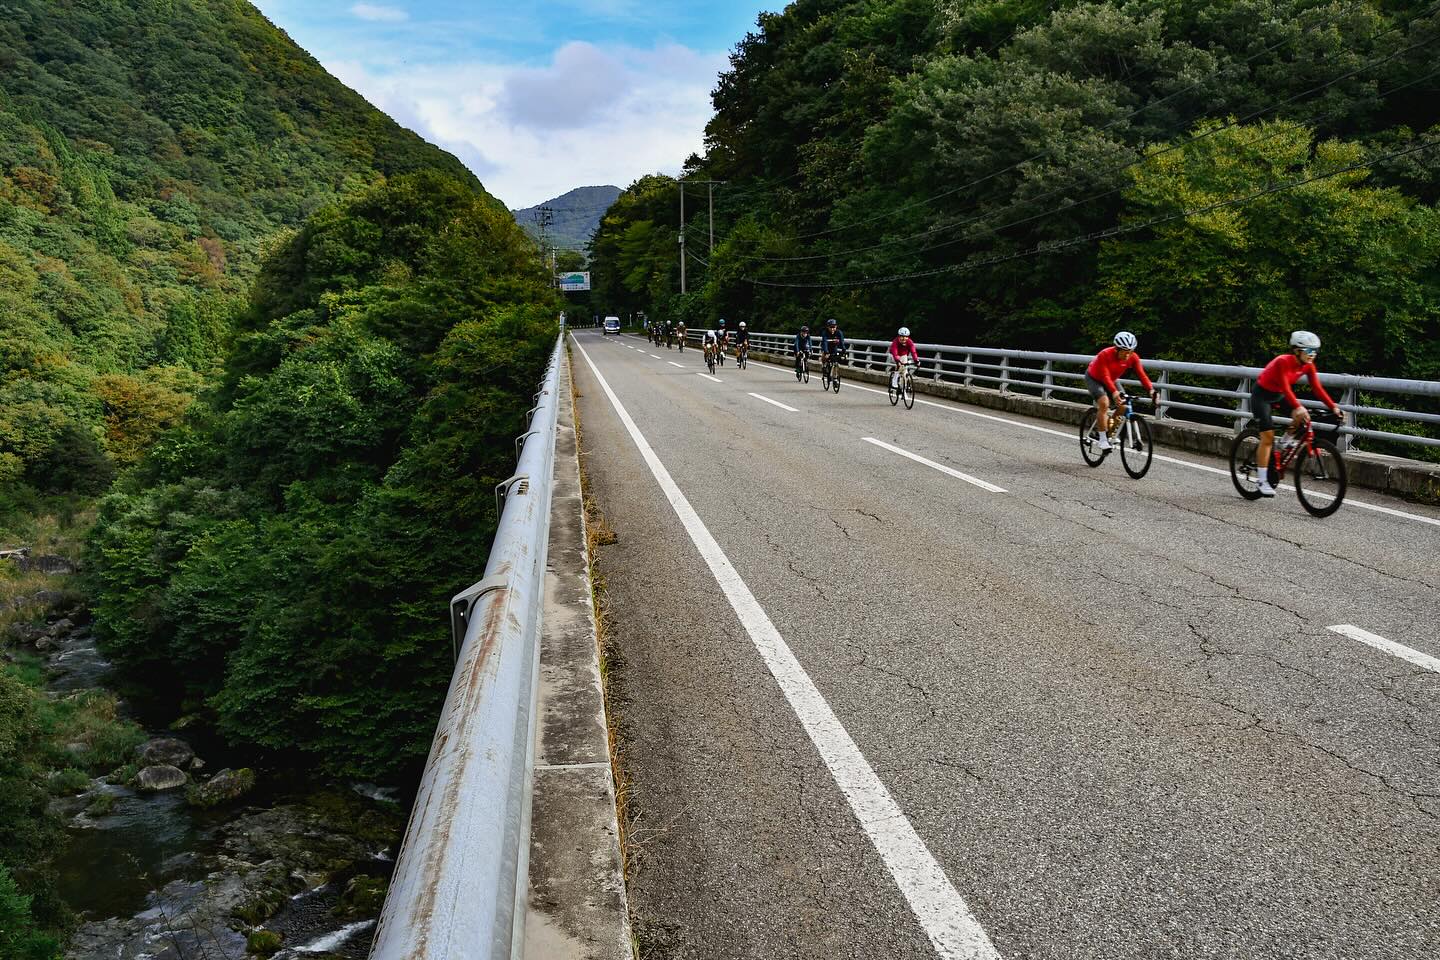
(577, 216)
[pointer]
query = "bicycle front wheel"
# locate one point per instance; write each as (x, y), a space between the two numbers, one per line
(1321, 479)
(805, 370)
(835, 377)
(908, 386)
(893, 389)
(1244, 472)
(1092, 455)
(1136, 449)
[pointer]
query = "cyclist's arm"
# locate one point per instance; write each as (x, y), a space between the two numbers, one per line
(1140, 372)
(1314, 377)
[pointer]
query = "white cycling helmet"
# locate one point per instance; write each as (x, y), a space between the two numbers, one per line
(742, 324)
(1305, 340)
(1125, 340)
(904, 332)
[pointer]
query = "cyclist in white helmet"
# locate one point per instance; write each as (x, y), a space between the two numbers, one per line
(902, 351)
(742, 340)
(1101, 379)
(1274, 384)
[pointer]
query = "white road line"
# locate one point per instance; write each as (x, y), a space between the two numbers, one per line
(674, 364)
(1074, 437)
(777, 403)
(1387, 646)
(942, 912)
(936, 466)
(708, 377)
(657, 356)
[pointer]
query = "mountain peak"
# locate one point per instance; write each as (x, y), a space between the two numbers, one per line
(576, 212)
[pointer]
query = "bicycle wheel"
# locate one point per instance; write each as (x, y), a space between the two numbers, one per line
(908, 386)
(835, 377)
(1088, 451)
(893, 389)
(805, 370)
(1243, 471)
(710, 362)
(1136, 448)
(1321, 479)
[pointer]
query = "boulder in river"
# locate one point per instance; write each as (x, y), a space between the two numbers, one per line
(60, 628)
(225, 787)
(166, 750)
(161, 776)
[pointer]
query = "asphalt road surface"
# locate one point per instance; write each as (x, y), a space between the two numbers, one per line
(993, 702)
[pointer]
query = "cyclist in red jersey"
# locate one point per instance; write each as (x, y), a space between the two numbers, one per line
(1274, 384)
(902, 349)
(1101, 376)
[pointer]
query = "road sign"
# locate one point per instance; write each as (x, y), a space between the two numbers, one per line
(574, 281)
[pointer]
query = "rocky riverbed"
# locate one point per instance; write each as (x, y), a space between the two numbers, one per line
(175, 856)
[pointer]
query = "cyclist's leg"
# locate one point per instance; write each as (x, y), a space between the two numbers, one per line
(1262, 410)
(1102, 409)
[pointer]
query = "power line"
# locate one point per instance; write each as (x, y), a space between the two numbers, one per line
(1043, 248)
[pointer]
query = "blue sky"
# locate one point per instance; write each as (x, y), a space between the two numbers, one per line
(535, 97)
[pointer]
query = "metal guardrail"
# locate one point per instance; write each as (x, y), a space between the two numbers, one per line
(460, 883)
(1194, 391)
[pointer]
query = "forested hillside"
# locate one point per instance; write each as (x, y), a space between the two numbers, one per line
(576, 215)
(149, 151)
(1038, 174)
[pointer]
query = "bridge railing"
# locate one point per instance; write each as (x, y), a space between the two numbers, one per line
(1205, 392)
(460, 882)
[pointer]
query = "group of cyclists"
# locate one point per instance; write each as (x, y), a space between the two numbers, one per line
(1275, 385)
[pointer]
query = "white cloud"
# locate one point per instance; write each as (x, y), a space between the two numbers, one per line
(595, 115)
(374, 11)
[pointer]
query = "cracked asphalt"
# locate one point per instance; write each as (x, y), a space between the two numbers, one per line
(1111, 709)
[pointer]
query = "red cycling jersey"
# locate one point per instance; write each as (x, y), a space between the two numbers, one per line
(908, 350)
(1107, 368)
(1285, 371)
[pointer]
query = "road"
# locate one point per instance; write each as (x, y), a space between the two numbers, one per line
(1023, 708)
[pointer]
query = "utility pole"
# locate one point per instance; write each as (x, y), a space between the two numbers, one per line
(543, 218)
(710, 186)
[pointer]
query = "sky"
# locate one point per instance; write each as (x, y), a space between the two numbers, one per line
(535, 96)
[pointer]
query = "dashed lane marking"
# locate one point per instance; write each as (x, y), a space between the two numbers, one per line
(1387, 646)
(708, 377)
(782, 406)
(982, 484)
(674, 364)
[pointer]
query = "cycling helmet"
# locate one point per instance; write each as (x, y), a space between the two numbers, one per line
(830, 322)
(742, 324)
(1305, 340)
(904, 332)
(804, 329)
(1125, 340)
(722, 321)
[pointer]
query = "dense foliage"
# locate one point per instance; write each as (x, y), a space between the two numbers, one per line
(149, 150)
(287, 554)
(1036, 174)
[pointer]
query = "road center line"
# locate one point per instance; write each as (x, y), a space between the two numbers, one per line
(674, 364)
(1387, 646)
(936, 466)
(953, 408)
(777, 403)
(657, 356)
(708, 377)
(943, 914)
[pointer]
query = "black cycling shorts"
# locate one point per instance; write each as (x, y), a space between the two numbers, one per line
(1262, 403)
(1096, 388)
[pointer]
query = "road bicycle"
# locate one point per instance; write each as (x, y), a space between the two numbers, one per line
(902, 385)
(669, 340)
(742, 353)
(830, 372)
(1128, 431)
(802, 368)
(680, 336)
(1320, 475)
(710, 351)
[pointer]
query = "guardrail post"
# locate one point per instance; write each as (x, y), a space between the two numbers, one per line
(1350, 398)
(1004, 374)
(1244, 409)
(937, 366)
(1049, 380)
(969, 369)
(1162, 387)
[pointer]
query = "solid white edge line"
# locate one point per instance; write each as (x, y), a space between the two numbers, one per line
(984, 485)
(943, 914)
(708, 377)
(1360, 504)
(1387, 646)
(782, 406)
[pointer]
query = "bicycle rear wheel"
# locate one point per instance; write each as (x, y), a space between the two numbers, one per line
(1321, 479)
(1093, 456)
(908, 386)
(1136, 448)
(1243, 471)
